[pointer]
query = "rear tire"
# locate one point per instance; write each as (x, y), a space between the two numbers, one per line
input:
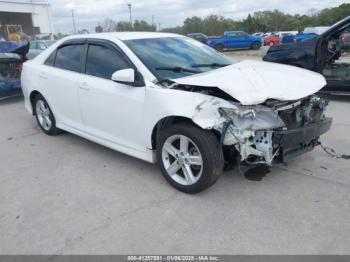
(44, 116)
(190, 158)
(219, 48)
(256, 46)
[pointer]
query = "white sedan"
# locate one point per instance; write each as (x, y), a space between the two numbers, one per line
(170, 99)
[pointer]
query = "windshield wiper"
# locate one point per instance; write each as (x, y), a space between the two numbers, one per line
(177, 69)
(210, 65)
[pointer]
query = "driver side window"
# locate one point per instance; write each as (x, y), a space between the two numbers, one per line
(243, 35)
(102, 61)
(234, 36)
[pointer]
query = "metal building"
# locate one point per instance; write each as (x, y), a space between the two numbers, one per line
(33, 16)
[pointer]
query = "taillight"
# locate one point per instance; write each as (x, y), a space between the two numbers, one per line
(343, 38)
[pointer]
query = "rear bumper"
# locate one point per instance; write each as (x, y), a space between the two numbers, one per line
(298, 141)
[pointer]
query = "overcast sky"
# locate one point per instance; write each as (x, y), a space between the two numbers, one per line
(170, 12)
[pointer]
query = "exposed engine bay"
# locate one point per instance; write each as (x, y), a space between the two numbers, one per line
(260, 134)
(256, 132)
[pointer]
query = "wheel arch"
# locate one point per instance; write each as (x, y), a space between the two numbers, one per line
(172, 120)
(32, 96)
(256, 42)
(219, 46)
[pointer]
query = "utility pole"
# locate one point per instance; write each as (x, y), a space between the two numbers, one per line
(152, 20)
(73, 19)
(129, 5)
(159, 27)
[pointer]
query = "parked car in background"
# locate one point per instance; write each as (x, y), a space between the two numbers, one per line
(345, 42)
(200, 37)
(272, 40)
(322, 54)
(318, 30)
(37, 46)
(12, 55)
(261, 34)
(268, 34)
(170, 99)
(309, 32)
(285, 33)
(288, 39)
(236, 40)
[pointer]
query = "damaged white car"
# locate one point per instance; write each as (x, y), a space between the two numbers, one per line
(169, 99)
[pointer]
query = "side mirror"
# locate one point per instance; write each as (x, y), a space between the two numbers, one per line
(124, 76)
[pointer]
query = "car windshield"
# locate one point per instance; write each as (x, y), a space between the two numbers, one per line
(175, 57)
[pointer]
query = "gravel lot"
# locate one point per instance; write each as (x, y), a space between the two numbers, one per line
(66, 195)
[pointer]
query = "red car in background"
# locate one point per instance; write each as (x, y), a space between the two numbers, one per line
(345, 42)
(272, 40)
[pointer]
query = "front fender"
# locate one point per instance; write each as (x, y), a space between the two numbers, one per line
(161, 103)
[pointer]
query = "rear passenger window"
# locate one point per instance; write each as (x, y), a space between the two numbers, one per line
(68, 57)
(103, 62)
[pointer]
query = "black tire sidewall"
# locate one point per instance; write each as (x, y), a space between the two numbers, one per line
(209, 148)
(256, 46)
(219, 48)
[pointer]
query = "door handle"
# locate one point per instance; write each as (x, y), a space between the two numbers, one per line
(84, 86)
(43, 75)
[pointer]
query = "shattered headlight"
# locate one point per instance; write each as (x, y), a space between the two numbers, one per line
(252, 117)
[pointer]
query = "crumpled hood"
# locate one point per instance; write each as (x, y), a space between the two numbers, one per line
(253, 82)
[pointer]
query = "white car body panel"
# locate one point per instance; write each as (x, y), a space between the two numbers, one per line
(123, 117)
(253, 82)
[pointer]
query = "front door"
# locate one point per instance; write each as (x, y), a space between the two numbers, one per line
(111, 111)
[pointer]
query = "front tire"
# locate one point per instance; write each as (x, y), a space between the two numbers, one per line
(190, 158)
(44, 116)
(256, 46)
(219, 48)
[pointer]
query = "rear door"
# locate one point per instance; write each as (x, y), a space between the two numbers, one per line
(238, 40)
(59, 76)
(111, 111)
(232, 40)
(244, 39)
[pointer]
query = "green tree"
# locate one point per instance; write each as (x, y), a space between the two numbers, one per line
(263, 21)
(143, 26)
(123, 26)
(98, 28)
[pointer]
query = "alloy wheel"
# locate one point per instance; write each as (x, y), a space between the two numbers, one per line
(43, 114)
(182, 160)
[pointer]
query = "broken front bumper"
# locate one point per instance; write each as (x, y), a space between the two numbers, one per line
(292, 143)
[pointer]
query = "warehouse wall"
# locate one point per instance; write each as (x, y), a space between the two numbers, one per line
(24, 19)
(40, 13)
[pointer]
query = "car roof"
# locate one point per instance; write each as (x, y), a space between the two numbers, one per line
(124, 35)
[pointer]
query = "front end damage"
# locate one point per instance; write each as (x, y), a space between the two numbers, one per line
(274, 131)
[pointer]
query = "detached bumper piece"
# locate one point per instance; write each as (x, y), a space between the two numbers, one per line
(298, 141)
